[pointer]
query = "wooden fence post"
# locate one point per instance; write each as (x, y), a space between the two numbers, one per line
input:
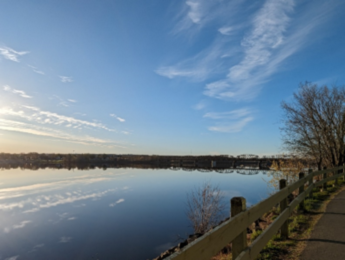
(336, 172)
(310, 171)
(238, 205)
(284, 230)
(300, 191)
(324, 177)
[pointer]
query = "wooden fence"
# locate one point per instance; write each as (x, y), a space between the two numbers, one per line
(235, 229)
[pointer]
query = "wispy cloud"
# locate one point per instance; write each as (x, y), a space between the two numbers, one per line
(226, 30)
(235, 114)
(117, 202)
(34, 69)
(263, 52)
(16, 91)
(199, 105)
(195, 14)
(20, 225)
(274, 37)
(65, 79)
(36, 247)
(33, 120)
(12, 257)
(118, 118)
(11, 54)
(35, 114)
(199, 67)
(231, 121)
(231, 127)
(63, 102)
(15, 126)
(249, 48)
(65, 239)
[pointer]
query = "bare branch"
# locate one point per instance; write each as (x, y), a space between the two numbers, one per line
(204, 207)
(314, 124)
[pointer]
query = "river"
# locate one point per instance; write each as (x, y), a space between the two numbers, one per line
(106, 214)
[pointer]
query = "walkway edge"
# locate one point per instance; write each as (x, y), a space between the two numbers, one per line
(301, 245)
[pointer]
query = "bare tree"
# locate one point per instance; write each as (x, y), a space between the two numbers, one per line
(314, 124)
(204, 207)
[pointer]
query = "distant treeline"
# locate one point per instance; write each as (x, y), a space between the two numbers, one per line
(130, 157)
(89, 161)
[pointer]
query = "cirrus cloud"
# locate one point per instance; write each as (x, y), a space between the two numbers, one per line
(11, 54)
(118, 118)
(16, 91)
(65, 79)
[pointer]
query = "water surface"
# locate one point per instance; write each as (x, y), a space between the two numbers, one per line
(105, 214)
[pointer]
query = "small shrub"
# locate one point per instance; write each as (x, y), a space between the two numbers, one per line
(255, 234)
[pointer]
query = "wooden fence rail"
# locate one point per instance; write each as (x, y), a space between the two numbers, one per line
(233, 229)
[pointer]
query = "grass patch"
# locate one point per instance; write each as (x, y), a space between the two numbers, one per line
(300, 227)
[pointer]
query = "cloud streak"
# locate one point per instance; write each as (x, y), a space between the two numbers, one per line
(35, 114)
(249, 48)
(33, 120)
(263, 53)
(235, 114)
(234, 127)
(11, 54)
(12, 257)
(65, 79)
(65, 239)
(14, 126)
(118, 118)
(199, 105)
(196, 14)
(20, 225)
(117, 202)
(16, 91)
(226, 30)
(199, 67)
(231, 121)
(34, 69)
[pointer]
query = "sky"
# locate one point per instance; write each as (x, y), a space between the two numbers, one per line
(165, 77)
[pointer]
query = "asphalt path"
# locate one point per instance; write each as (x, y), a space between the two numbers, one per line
(327, 240)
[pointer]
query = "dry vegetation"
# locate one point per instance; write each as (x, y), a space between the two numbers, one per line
(300, 227)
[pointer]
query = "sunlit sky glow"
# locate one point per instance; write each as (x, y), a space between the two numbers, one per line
(160, 77)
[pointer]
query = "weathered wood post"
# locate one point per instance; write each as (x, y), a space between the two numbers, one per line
(335, 172)
(324, 177)
(343, 171)
(284, 230)
(310, 171)
(238, 205)
(300, 191)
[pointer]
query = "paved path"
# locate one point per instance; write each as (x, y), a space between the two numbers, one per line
(327, 241)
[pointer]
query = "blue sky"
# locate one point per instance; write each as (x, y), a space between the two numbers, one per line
(160, 77)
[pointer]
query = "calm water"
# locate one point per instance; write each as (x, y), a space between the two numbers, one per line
(113, 214)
